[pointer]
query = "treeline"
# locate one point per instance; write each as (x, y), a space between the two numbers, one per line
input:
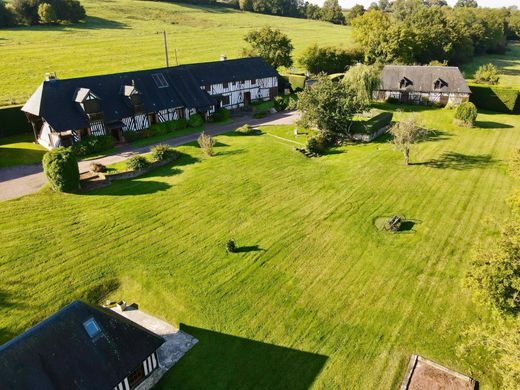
(32, 12)
(414, 31)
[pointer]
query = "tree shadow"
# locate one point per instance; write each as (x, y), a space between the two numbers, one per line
(492, 125)
(223, 361)
(97, 293)
(459, 161)
(90, 23)
(130, 187)
(406, 226)
(250, 248)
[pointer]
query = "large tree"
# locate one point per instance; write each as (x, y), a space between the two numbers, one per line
(354, 12)
(329, 59)
(332, 12)
(271, 44)
(364, 80)
(329, 106)
(466, 4)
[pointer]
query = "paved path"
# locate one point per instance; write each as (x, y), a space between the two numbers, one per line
(25, 179)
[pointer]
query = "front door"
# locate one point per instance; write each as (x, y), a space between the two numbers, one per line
(117, 134)
(247, 98)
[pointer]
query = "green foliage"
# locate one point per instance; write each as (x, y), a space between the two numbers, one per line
(246, 130)
(406, 133)
(220, 115)
(514, 24)
(7, 17)
(13, 121)
(317, 145)
(206, 143)
(261, 106)
(231, 246)
(364, 80)
(162, 152)
(466, 3)
(137, 163)
(156, 130)
(31, 12)
(92, 145)
(354, 12)
(466, 114)
(495, 98)
(378, 122)
(332, 12)
(61, 170)
(285, 102)
(329, 106)
(47, 14)
(195, 120)
(329, 59)
(487, 74)
(271, 44)
(296, 81)
(97, 167)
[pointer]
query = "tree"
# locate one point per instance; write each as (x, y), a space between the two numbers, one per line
(436, 3)
(69, 10)
(7, 17)
(329, 106)
(328, 59)
(271, 44)
(61, 169)
(47, 14)
(514, 23)
(384, 5)
(26, 11)
(206, 143)
(466, 114)
(354, 12)
(487, 74)
(332, 12)
(364, 80)
(406, 133)
(312, 11)
(246, 5)
(466, 4)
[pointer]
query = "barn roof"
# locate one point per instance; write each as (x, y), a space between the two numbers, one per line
(423, 79)
(58, 353)
(162, 88)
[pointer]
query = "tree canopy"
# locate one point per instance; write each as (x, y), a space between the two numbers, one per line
(271, 44)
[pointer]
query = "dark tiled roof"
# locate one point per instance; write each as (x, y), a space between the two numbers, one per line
(423, 78)
(58, 353)
(54, 99)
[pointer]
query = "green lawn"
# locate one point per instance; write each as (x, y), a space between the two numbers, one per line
(122, 35)
(318, 296)
(20, 149)
(508, 66)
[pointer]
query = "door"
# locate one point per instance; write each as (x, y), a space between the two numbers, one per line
(247, 98)
(117, 134)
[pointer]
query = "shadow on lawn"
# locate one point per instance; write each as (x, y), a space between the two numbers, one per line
(90, 23)
(492, 125)
(249, 248)
(459, 161)
(223, 361)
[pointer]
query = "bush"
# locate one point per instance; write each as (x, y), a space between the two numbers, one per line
(195, 120)
(61, 169)
(47, 14)
(487, 74)
(206, 143)
(319, 143)
(497, 99)
(261, 106)
(93, 144)
(378, 122)
(137, 163)
(287, 102)
(231, 246)
(466, 114)
(156, 129)
(246, 130)
(96, 167)
(329, 59)
(162, 152)
(220, 115)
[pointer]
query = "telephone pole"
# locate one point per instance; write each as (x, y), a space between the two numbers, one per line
(166, 49)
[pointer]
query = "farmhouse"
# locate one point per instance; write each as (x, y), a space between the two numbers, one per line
(81, 347)
(64, 111)
(439, 85)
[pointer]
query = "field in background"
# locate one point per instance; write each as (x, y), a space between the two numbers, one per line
(317, 296)
(122, 35)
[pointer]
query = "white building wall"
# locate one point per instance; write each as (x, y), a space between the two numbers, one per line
(235, 90)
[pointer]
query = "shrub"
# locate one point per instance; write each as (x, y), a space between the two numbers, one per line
(96, 167)
(137, 163)
(61, 169)
(220, 115)
(231, 246)
(466, 114)
(93, 144)
(392, 100)
(206, 143)
(162, 152)
(378, 122)
(487, 74)
(246, 130)
(260, 106)
(195, 120)
(329, 59)
(287, 102)
(494, 98)
(319, 143)
(47, 14)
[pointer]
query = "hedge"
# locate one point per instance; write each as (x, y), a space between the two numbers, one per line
(495, 98)
(377, 122)
(262, 107)
(13, 121)
(61, 169)
(93, 144)
(156, 129)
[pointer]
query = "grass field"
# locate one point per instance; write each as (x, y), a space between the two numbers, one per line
(317, 296)
(122, 35)
(20, 149)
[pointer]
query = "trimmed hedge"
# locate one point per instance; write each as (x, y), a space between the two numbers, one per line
(494, 98)
(61, 169)
(93, 144)
(13, 121)
(220, 115)
(195, 120)
(156, 129)
(377, 122)
(262, 107)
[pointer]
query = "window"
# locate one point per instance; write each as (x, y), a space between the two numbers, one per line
(159, 80)
(253, 82)
(136, 377)
(439, 84)
(226, 84)
(92, 328)
(405, 82)
(225, 100)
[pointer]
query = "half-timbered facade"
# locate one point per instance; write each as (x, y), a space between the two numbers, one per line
(440, 85)
(64, 111)
(81, 347)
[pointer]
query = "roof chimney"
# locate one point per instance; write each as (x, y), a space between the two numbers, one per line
(223, 57)
(50, 76)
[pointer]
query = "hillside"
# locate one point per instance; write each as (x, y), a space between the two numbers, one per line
(124, 35)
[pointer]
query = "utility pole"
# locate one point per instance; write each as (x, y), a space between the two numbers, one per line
(176, 60)
(166, 49)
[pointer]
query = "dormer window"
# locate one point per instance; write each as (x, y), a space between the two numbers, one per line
(89, 101)
(92, 328)
(134, 97)
(405, 82)
(439, 84)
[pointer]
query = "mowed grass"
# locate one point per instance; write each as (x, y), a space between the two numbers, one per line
(124, 35)
(20, 149)
(508, 65)
(317, 296)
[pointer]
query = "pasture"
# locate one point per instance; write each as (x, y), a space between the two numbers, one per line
(123, 35)
(317, 296)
